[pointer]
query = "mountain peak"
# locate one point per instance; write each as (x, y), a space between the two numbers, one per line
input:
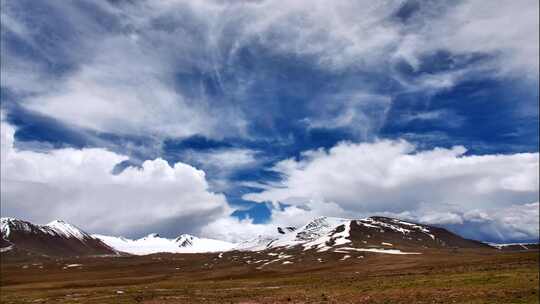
(66, 229)
(185, 240)
(151, 236)
(55, 238)
(7, 224)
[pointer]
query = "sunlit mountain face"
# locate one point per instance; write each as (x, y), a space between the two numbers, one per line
(225, 120)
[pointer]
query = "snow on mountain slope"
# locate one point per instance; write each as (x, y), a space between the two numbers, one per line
(314, 234)
(56, 228)
(325, 233)
(57, 238)
(261, 242)
(322, 234)
(515, 246)
(66, 229)
(153, 243)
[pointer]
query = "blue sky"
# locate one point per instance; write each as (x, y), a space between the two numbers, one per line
(423, 110)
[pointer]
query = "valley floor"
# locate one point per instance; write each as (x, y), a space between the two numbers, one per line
(481, 276)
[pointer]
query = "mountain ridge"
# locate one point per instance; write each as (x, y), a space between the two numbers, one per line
(56, 238)
(322, 234)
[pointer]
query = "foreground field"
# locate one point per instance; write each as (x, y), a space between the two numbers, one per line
(480, 276)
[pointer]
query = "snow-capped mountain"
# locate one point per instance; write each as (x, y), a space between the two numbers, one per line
(322, 234)
(516, 246)
(153, 243)
(56, 238)
(374, 233)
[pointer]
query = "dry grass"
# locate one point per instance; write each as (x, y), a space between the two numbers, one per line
(433, 277)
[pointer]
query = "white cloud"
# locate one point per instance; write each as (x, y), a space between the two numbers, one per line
(393, 177)
(78, 186)
(366, 113)
(514, 222)
(221, 163)
(119, 79)
(224, 159)
(478, 196)
(123, 78)
(445, 118)
(504, 28)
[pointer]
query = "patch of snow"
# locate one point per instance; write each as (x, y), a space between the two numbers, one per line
(6, 249)
(416, 226)
(386, 244)
(360, 222)
(287, 262)
(322, 249)
(345, 257)
(259, 261)
(376, 250)
(281, 256)
(502, 245)
(385, 225)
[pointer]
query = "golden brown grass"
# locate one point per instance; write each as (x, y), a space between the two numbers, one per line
(433, 277)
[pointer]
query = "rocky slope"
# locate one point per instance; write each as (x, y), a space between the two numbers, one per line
(57, 238)
(373, 233)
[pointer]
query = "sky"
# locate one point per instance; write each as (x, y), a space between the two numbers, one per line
(226, 119)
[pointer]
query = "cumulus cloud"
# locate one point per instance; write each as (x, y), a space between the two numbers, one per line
(392, 177)
(79, 186)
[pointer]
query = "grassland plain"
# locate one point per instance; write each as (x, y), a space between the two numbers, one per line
(437, 276)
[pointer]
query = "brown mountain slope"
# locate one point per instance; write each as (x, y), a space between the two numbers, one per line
(55, 239)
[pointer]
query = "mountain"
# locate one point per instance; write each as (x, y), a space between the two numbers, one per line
(323, 234)
(153, 243)
(381, 234)
(516, 246)
(57, 238)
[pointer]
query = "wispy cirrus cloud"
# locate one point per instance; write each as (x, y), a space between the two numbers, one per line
(170, 69)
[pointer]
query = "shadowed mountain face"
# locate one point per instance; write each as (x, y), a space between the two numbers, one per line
(378, 230)
(57, 238)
